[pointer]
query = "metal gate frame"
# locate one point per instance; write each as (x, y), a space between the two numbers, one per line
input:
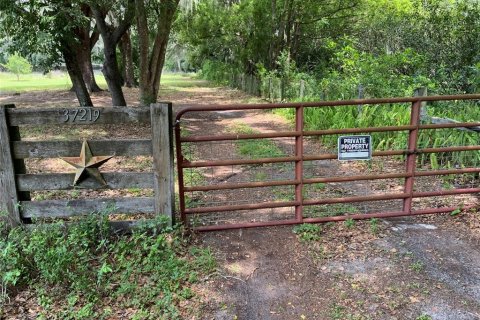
(409, 174)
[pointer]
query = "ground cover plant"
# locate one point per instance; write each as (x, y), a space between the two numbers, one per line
(81, 270)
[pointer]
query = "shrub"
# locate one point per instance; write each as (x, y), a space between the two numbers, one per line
(18, 65)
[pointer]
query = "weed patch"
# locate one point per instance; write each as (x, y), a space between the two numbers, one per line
(255, 149)
(308, 232)
(74, 269)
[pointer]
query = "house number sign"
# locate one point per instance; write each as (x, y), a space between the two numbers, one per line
(80, 115)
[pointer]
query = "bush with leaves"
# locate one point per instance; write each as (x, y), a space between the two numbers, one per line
(18, 65)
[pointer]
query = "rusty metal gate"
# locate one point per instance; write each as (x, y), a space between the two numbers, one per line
(392, 175)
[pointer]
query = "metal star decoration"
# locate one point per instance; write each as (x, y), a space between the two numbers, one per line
(87, 165)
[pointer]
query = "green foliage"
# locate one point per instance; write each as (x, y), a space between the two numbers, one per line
(417, 266)
(308, 232)
(374, 225)
(349, 223)
(85, 263)
(423, 317)
(457, 211)
(18, 65)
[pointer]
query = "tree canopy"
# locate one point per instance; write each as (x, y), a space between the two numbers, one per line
(421, 42)
(385, 46)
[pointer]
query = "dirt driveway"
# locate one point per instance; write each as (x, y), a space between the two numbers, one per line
(409, 268)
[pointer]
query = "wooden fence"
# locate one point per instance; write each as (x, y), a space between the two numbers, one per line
(16, 183)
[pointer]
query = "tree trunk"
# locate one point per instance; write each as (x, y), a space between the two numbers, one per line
(84, 56)
(112, 74)
(151, 65)
(127, 60)
(85, 63)
(111, 37)
(71, 61)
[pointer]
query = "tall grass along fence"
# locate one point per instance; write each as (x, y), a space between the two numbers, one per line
(86, 157)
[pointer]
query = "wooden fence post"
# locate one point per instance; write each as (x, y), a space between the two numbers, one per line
(302, 89)
(270, 89)
(162, 150)
(422, 92)
(360, 95)
(8, 189)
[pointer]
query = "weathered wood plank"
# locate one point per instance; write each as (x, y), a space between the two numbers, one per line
(79, 116)
(8, 190)
(55, 149)
(69, 208)
(162, 144)
(18, 164)
(64, 181)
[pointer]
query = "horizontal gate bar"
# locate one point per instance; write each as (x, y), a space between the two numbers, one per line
(246, 225)
(332, 156)
(355, 178)
(448, 149)
(445, 192)
(392, 214)
(446, 172)
(199, 164)
(285, 134)
(68, 208)
(356, 130)
(393, 196)
(265, 205)
(449, 125)
(64, 181)
(232, 186)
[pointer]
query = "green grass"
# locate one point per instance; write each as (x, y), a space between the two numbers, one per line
(255, 149)
(182, 80)
(61, 81)
(38, 81)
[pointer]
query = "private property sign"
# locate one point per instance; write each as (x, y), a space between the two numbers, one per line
(355, 148)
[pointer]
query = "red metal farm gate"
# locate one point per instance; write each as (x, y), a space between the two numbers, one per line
(392, 174)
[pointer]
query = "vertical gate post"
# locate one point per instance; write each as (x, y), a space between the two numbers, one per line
(299, 164)
(8, 190)
(411, 157)
(162, 150)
